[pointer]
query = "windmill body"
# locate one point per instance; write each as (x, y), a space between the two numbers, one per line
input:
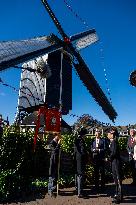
(55, 89)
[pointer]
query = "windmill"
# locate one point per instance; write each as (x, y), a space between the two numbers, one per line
(16, 52)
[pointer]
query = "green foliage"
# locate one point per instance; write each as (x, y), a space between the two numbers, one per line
(42, 183)
(67, 144)
(18, 162)
(86, 120)
(66, 180)
(123, 142)
(3, 185)
(88, 140)
(89, 173)
(39, 183)
(11, 183)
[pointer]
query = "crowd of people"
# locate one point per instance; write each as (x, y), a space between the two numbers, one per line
(101, 150)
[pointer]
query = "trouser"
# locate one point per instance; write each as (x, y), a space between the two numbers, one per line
(51, 185)
(53, 177)
(117, 177)
(99, 170)
(79, 184)
(119, 189)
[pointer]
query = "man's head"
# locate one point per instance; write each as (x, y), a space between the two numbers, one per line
(113, 133)
(132, 132)
(110, 136)
(97, 133)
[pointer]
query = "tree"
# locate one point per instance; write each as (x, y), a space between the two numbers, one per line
(86, 121)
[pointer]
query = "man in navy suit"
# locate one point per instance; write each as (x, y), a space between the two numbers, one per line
(98, 155)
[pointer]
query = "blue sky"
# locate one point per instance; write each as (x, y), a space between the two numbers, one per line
(114, 21)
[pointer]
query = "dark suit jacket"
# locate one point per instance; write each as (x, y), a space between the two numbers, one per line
(54, 148)
(79, 155)
(114, 150)
(115, 159)
(98, 153)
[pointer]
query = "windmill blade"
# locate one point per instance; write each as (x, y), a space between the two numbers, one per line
(84, 39)
(92, 85)
(90, 82)
(84, 73)
(15, 52)
(94, 89)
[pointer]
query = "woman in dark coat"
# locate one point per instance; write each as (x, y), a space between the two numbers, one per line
(80, 160)
(54, 163)
(115, 163)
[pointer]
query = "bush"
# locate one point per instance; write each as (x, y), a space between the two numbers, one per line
(67, 144)
(123, 142)
(11, 185)
(18, 162)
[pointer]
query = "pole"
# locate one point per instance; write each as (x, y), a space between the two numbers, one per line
(60, 102)
(54, 19)
(58, 173)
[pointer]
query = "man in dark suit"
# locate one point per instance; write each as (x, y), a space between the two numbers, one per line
(98, 156)
(115, 163)
(80, 160)
(54, 163)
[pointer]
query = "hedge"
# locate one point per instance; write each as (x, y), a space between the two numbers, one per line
(18, 162)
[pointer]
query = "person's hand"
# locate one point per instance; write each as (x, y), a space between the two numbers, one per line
(106, 159)
(96, 150)
(59, 141)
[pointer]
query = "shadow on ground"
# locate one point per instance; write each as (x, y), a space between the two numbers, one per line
(129, 192)
(129, 195)
(26, 197)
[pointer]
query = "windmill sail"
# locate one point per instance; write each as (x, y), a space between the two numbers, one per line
(84, 39)
(85, 74)
(93, 87)
(15, 52)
